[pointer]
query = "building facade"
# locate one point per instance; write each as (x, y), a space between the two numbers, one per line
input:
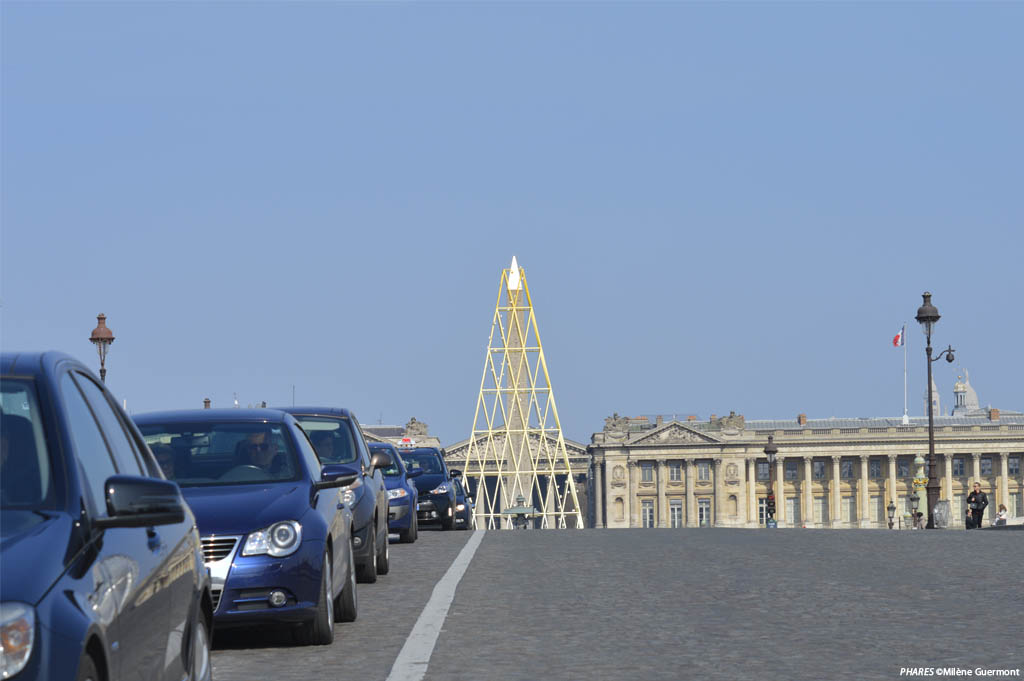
(834, 473)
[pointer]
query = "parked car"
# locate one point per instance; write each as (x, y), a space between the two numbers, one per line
(276, 533)
(402, 494)
(338, 439)
(463, 506)
(436, 490)
(102, 572)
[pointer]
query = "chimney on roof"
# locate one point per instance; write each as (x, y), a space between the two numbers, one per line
(691, 417)
(206, 403)
(993, 414)
(660, 420)
(802, 419)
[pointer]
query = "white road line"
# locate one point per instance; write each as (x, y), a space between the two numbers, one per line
(412, 660)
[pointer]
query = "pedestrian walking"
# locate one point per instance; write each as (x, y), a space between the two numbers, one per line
(1001, 514)
(976, 503)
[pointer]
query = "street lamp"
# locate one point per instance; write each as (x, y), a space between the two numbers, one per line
(770, 450)
(914, 501)
(891, 508)
(102, 337)
(928, 316)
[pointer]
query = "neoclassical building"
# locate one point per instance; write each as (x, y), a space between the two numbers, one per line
(838, 473)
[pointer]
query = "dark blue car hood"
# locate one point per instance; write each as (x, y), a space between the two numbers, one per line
(238, 509)
(428, 481)
(32, 552)
(395, 481)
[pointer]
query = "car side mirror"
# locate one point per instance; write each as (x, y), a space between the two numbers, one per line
(134, 501)
(335, 475)
(380, 460)
(414, 474)
(454, 473)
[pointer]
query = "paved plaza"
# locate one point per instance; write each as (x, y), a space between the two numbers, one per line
(680, 604)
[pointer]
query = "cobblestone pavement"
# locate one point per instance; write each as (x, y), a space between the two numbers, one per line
(681, 604)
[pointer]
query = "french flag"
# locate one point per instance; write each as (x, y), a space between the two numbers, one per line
(899, 338)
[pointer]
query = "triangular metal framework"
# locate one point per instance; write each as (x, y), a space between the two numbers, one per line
(516, 455)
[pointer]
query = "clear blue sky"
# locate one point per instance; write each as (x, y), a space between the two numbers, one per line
(718, 206)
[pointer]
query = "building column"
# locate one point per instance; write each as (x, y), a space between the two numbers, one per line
(632, 501)
(863, 495)
(691, 498)
(718, 506)
(752, 517)
(835, 514)
(1003, 496)
(975, 472)
(891, 490)
(780, 488)
(662, 512)
(947, 481)
(598, 494)
(807, 510)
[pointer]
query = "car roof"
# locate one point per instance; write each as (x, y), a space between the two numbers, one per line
(318, 411)
(418, 450)
(213, 416)
(31, 363)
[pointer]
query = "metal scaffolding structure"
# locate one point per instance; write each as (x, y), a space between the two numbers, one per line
(516, 464)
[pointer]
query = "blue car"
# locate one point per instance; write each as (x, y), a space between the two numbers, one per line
(338, 439)
(276, 533)
(101, 572)
(434, 482)
(402, 495)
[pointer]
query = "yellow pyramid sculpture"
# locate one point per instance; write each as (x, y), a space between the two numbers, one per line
(516, 459)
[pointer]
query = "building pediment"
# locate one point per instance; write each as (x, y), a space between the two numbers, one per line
(674, 433)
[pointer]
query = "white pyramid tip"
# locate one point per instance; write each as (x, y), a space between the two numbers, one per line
(514, 281)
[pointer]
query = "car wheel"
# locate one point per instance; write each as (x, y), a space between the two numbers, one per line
(320, 631)
(87, 669)
(384, 560)
(448, 522)
(367, 573)
(346, 608)
(409, 536)
(202, 670)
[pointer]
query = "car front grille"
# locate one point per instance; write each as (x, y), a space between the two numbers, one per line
(218, 548)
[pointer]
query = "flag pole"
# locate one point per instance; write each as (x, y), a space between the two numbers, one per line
(906, 419)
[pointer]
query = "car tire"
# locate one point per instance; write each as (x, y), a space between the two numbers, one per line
(346, 608)
(384, 559)
(409, 536)
(320, 631)
(367, 573)
(87, 669)
(448, 522)
(202, 669)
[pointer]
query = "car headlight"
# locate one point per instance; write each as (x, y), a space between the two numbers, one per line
(17, 633)
(280, 539)
(397, 493)
(441, 489)
(349, 494)
(460, 507)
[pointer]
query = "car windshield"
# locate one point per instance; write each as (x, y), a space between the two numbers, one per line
(425, 460)
(201, 454)
(392, 471)
(26, 479)
(331, 437)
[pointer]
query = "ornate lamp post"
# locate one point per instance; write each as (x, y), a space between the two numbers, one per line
(891, 509)
(928, 316)
(102, 337)
(770, 450)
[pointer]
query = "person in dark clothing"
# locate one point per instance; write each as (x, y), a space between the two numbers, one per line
(976, 503)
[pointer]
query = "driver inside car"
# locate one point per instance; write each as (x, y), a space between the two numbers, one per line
(261, 448)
